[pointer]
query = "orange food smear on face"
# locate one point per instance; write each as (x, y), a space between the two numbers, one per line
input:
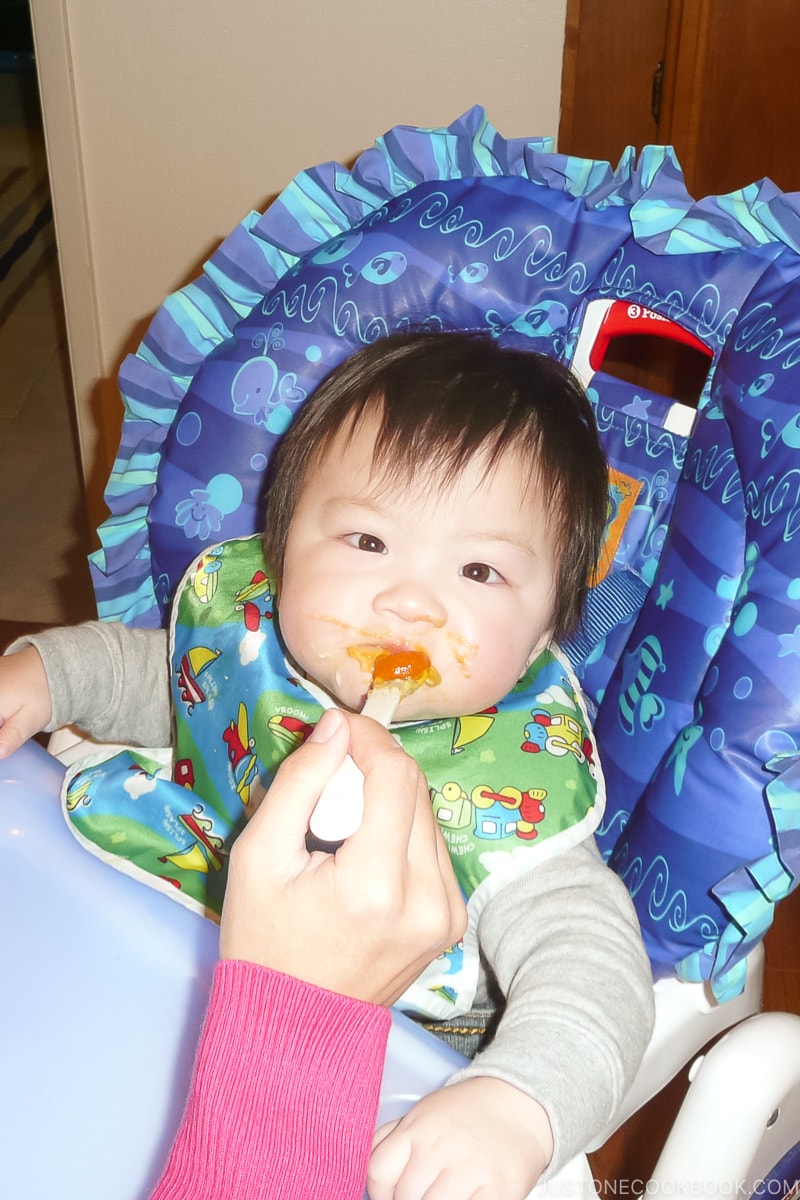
(365, 656)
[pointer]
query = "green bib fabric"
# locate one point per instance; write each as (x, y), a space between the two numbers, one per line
(510, 786)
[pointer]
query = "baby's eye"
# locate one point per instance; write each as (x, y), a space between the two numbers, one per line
(481, 573)
(367, 542)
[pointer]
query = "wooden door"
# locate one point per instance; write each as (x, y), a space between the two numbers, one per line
(609, 84)
(722, 86)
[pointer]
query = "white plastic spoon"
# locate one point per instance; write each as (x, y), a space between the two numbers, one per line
(395, 673)
(340, 808)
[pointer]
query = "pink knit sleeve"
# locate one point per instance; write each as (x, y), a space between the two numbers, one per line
(284, 1096)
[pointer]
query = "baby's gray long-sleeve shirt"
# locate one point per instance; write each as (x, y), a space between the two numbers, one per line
(562, 941)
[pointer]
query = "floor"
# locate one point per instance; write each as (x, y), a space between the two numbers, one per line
(44, 533)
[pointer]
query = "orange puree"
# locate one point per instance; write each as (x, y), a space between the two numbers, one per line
(396, 666)
(406, 668)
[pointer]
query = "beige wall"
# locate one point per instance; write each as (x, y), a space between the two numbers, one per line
(167, 122)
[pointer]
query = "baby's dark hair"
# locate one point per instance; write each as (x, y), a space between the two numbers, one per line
(441, 398)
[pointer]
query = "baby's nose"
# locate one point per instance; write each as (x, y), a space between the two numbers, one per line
(412, 600)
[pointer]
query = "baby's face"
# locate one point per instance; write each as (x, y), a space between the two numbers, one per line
(464, 574)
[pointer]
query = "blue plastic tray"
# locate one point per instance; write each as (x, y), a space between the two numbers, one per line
(104, 989)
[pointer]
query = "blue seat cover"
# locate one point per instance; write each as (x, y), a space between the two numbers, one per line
(690, 646)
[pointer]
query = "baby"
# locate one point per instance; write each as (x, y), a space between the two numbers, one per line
(446, 496)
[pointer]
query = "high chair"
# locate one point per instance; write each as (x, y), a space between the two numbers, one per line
(682, 320)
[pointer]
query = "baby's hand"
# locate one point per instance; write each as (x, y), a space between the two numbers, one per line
(24, 699)
(480, 1139)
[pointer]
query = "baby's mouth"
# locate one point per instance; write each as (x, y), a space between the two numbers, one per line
(395, 665)
(385, 661)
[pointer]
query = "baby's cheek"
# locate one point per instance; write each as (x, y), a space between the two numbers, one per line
(473, 693)
(496, 672)
(306, 649)
(342, 679)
